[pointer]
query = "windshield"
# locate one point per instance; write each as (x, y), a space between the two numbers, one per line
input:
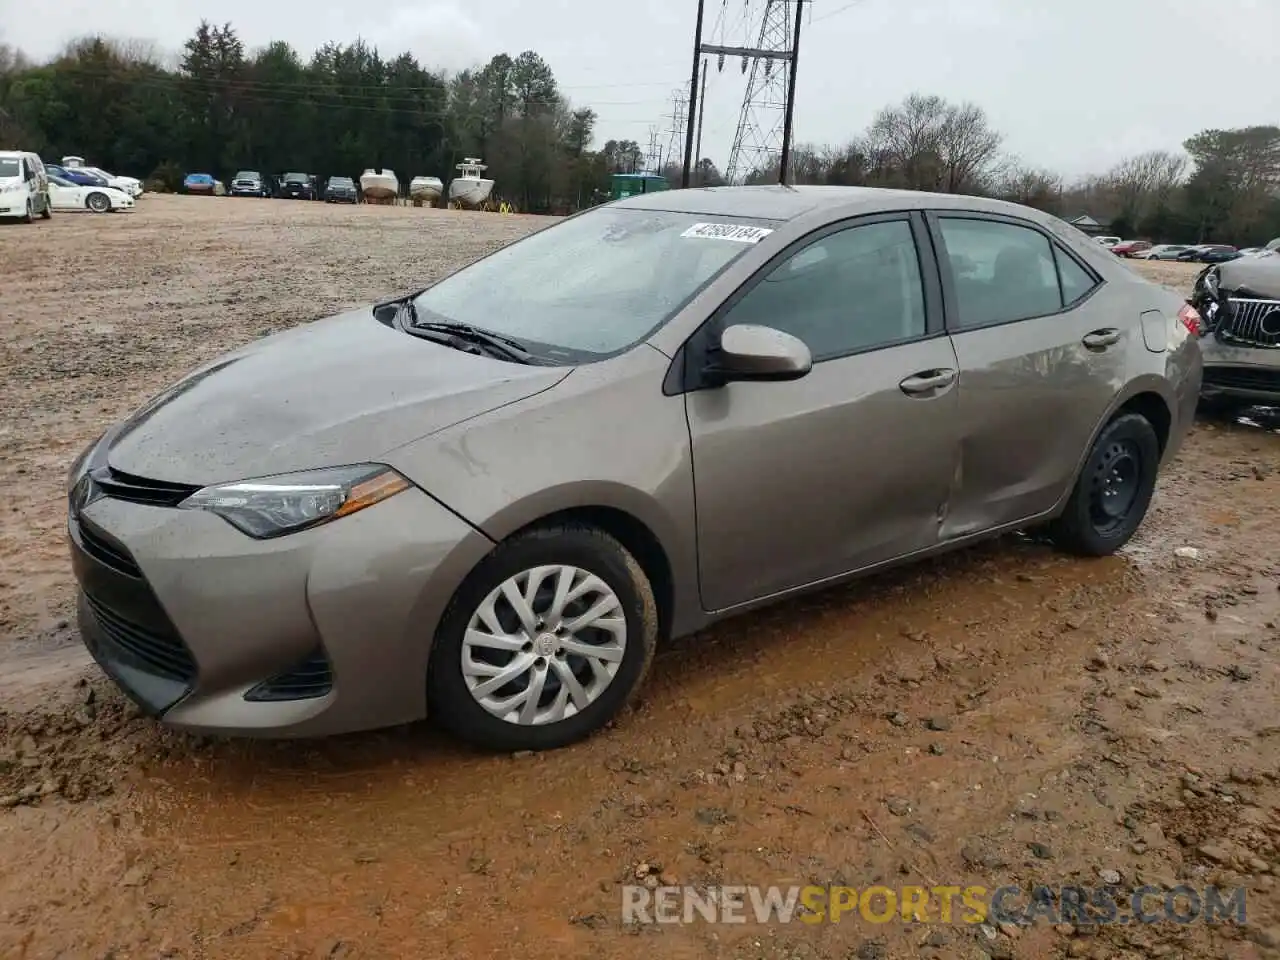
(9, 167)
(340, 182)
(594, 284)
(295, 177)
(247, 175)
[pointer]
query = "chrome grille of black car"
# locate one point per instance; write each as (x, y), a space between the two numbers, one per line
(1252, 323)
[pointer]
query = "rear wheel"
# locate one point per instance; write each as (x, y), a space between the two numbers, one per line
(1113, 491)
(98, 202)
(545, 642)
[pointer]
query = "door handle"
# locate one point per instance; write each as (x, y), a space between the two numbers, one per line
(1101, 339)
(927, 381)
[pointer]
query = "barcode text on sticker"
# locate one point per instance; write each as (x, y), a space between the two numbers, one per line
(727, 231)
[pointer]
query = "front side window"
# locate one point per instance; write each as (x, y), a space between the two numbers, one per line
(594, 284)
(1001, 272)
(851, 290)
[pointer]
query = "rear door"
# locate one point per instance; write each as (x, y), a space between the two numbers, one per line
(849, 466)
(1041, 358)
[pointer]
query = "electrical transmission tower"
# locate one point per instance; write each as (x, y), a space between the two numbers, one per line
(763, 137)
(653, 157)
(758, 141)
(676, 127)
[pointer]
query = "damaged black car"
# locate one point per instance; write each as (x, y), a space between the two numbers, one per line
(1239, 306)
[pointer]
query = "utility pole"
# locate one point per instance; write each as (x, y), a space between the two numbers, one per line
(702, 110)
(693, 95)
(785, 158)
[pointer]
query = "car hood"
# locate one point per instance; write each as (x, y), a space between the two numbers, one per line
(342, 390)
(1251, 276)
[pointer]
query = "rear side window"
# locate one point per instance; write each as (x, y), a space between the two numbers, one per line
(1002, 272)
(1077, 282)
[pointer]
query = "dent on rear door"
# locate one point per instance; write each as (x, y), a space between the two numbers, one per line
(1031, 395)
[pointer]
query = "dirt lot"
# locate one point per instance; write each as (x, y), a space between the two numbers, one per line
(1005, 715)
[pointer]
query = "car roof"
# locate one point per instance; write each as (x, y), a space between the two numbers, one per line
(779, 202)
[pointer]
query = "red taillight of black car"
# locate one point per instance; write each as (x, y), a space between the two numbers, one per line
(1190, 318)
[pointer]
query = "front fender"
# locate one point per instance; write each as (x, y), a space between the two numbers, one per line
(604, 437)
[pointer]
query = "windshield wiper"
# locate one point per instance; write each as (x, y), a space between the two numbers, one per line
(507, 347)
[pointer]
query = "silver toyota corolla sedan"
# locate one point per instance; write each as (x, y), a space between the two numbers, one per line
(489, 500)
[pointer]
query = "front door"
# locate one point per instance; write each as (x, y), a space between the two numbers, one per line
(1041, 359)
(850, 465)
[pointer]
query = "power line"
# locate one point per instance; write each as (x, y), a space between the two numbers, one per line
(837, 12)
(131, 73)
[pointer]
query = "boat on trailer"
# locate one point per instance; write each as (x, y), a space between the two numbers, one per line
(379, 186)
(470, 188)
(425, 190)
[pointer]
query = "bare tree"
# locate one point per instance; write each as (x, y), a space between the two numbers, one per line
(968, 146)
(1145, 183)
(1033, 187)
(927, 143)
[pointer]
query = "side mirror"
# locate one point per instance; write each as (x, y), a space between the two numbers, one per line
(751, 352)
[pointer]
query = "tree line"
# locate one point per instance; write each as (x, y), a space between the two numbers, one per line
(1225, 187)
(220, 108)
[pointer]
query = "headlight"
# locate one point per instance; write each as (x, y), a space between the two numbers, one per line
(273, 506)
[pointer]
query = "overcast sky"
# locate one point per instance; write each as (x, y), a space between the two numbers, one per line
(1075, 86)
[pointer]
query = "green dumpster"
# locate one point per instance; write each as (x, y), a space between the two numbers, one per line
(629, 184)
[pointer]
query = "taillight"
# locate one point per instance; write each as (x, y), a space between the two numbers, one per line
(1190, 318)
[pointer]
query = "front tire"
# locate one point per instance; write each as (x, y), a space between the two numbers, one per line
(47, 212)
(29, 216)
(545, 641)
(1113, 491)
(98, 202)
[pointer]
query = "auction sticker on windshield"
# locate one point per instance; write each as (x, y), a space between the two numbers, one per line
(727, 231)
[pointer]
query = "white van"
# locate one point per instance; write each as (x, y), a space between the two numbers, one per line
(24, 186)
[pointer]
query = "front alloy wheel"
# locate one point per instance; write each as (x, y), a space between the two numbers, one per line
(544, 644)
(98, 202)
(545, 641)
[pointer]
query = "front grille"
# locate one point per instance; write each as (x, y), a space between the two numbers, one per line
(1243, 378)
(164, 655)
(311, 678)
(1254, 323)
(106, 550)
(125, 486)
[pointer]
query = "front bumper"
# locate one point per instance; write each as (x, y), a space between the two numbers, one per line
(323, 631)
(1249, 374)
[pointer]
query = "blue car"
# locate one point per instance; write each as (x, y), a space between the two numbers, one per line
(81, 178)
